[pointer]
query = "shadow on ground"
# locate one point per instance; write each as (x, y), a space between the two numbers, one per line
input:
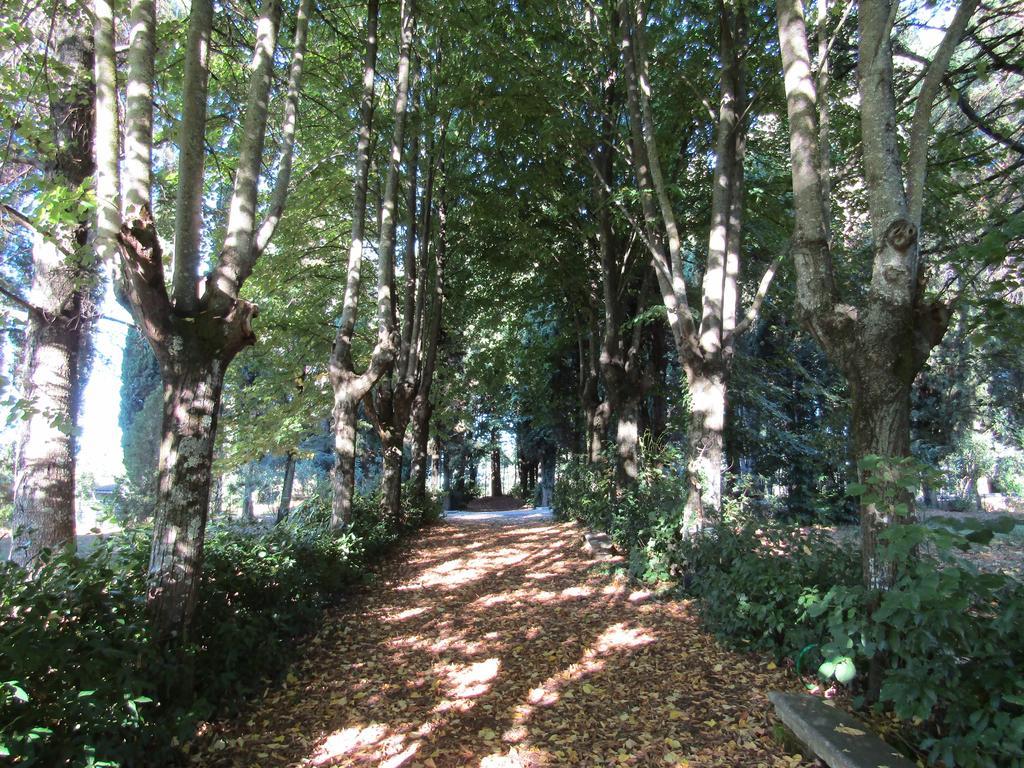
(499, 645)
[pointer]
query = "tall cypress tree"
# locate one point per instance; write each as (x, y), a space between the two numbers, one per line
(140, 418)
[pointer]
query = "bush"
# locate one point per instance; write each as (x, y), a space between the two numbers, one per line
(80, 676)
(754, 583)
(77, 674)
(949, 636)
(643, 519)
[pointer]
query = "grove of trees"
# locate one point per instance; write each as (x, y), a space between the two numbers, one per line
(697, 261)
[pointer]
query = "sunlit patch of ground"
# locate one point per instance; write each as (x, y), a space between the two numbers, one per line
(499, 646)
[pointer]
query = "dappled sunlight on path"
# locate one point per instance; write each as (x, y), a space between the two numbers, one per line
(499, 646)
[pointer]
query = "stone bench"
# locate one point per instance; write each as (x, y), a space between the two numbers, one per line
(834, 736)
(598, 545)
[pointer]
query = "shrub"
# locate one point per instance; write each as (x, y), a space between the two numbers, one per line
(76, 672)
(79, 674)
(949, 635)
(642, 519)
(754, 583)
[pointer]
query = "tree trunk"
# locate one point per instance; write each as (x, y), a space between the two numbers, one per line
(880, 423)
(56, 331)
(436, 470)
(659, 401)
(391, 478)
(495, 468)
(192, 392)
(248, 515)
(44, 480)
(705, 448)
(547, 475)
(422, 446)
(286, 487)
(627, 431)
(343, 479)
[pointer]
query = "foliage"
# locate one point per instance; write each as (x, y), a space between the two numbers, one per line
(948, 633)
(642, 518)
(754, 582)
(140, 418)
(79, 676)
(76, 670)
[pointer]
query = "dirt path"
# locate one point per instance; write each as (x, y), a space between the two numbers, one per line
(498, 646)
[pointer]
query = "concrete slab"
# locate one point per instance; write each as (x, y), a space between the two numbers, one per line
(537, 515)
(838, 738)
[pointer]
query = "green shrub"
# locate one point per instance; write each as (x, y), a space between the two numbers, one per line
(949, 635)
(951, 640)
(76, 672)
(79, 674)
(754, 583)
(642, 520)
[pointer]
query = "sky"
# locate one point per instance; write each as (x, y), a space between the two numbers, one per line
(100, 441)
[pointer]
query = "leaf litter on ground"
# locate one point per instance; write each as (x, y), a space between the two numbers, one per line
(501, 646)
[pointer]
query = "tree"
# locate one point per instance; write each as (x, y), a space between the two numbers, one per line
(349, 387)
(58, 305)
(704, 350)
(882, 344)
(195, 326)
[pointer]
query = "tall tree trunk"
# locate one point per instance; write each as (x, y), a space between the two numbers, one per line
(882, 344)
(391, 477)
(706, 449)
(436, 465)
(627, 433)
(57, 322)
(285, 506)
(547, 474)
(704, 353)
(196, 335)
(248, 488)
(495, 465)
(350, 388)
(44, 479)
(192, 392)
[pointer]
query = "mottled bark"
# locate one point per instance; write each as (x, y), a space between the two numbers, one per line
(547, 474)
(188, 222)
(704, 353)
(43, 516)
(57, 322)
(881, 345)
(706, 447)
(495, 465)
(627, 435)
(351, 388)
(197, 335)
(192, 390)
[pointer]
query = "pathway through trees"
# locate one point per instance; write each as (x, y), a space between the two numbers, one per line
(500, 645)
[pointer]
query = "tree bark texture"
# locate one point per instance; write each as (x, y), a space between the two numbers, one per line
(195, 326)
(192, 391)
(285, 505)
(705, 352)
(57, 324)
(882, 344)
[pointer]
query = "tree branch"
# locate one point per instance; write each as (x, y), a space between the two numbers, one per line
(762, 292)
(917, 161)
(289, 127)
(192, 158)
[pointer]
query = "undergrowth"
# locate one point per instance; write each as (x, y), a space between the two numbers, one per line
(79, 675)
(948, 636)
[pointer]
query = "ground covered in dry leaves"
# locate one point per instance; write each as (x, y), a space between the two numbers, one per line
(499, 646)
